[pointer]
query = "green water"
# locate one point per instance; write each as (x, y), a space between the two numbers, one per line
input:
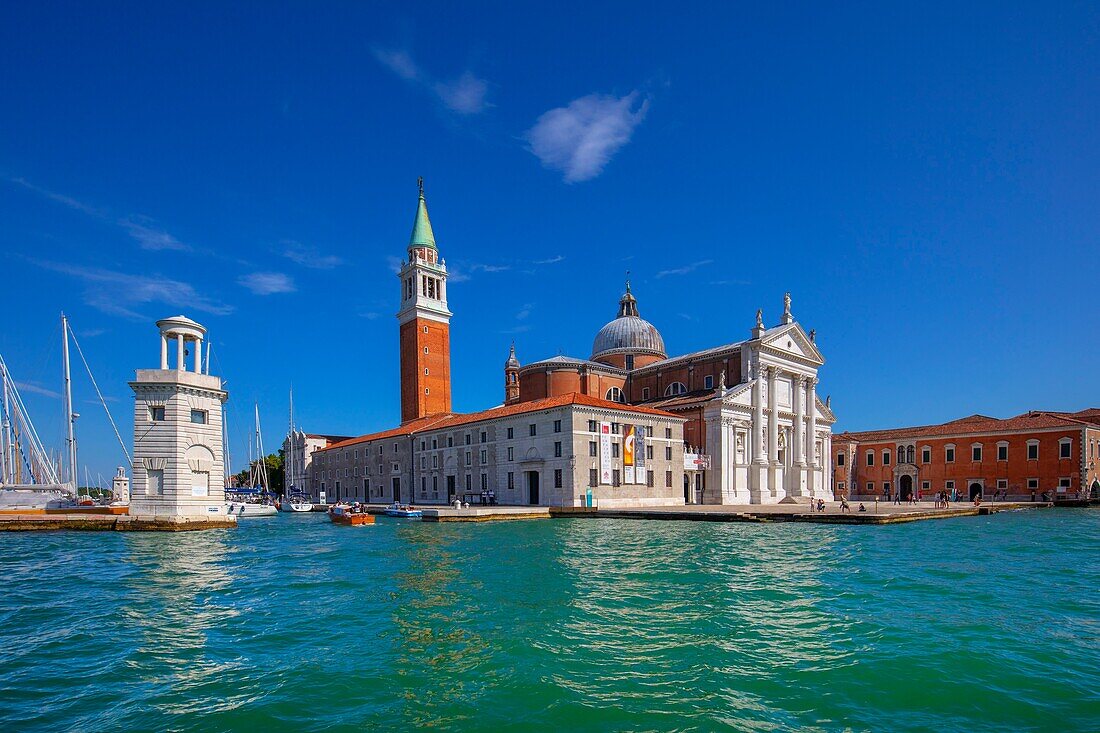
(290, 624)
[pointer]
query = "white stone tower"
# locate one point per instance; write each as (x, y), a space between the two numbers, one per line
(178, 452)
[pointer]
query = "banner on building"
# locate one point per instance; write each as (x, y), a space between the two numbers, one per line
(605, 453)
(639, 453)
(628, 454)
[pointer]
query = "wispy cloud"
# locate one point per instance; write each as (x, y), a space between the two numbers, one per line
(580, 138)
(551, 261)
(466, 95)
(731, 282)
(149, 237)
(267, 283)
(308, 256)
(370, 315)
(59, 198)
(34, 388)
(521, 328)
(524, 311)
(394, 263)
(685, 269)
(488, 268)
(119, 293)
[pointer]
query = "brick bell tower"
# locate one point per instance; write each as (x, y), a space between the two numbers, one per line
(424, 323)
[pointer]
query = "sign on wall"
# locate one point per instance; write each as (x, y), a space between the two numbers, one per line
(605, 453)
(628, 454)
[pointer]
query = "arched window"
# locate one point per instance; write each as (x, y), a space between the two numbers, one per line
(674, 389)
(615, 395)
(909, 454)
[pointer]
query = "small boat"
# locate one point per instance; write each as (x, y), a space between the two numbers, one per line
(403, 510)
(295, 501)
(250, 509)
(353, 516)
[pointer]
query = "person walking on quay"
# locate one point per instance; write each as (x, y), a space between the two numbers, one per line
(897, 499)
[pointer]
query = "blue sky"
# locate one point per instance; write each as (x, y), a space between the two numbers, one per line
(922, 178)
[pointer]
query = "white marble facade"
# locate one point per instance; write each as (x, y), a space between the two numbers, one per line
(769, 437)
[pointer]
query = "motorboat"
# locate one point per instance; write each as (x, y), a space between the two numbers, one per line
(250, 509)
(402, 510)
(295, 501)
(349, 515)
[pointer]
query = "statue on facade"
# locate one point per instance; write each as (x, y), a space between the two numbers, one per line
(759, 317)
(813, 335)
(722, 380)
(786, 304)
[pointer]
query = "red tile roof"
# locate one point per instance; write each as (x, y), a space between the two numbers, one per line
(452, 420)
(968, 425)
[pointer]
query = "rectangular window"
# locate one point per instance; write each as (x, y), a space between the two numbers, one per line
(435, 485)
(1064, 449)
(976, 453)
(645, 393)
(593, 477)
(484, 436)
(156, 414)
(511, 480)
(1033, 451)
(1063, 483)
(648, 477)
(467, 458)
(154, 482)
(925, 455)
(949, 485)
(511, 433)
(615, 478)
(649, 452)
(484, 481)
(484, 456)
(557, 478)
(395, 447)
(510, 458)
(557, 426)
(668, 479)
(614, 428)
(708, 382)
(926, 485)
(870, 487)
(1033, 484)
(668, 433)
(531, 429)
(469, 483)
(949, 454)
(1002, 453)
(649, 431)
(886, 458)
(668, 452)
(592, 426)
(557, 449)
(467, 438)
(840, 459)
(870, 458)
(435, 444)
(198, 417)
(614, 450)
(592, 448)
(450, 441)
(1002, 483)
(422, 445)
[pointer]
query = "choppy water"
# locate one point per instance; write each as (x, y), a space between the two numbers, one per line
(288, 624)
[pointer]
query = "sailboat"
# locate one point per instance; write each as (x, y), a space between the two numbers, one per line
(29, 478)
(295, 498)
(253, 500)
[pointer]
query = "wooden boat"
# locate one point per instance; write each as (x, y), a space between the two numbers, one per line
(343, 514)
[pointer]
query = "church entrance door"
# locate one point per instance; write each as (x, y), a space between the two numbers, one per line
(905, 487)
(450, 489)
(975, 490)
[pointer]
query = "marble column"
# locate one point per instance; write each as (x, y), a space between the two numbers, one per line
(198, 356)
(181, 365)
(773, 419)
(163, 351)
(797, 443)
(811, 437)
(757, 442)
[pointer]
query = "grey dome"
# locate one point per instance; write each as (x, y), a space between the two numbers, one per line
(629, 333)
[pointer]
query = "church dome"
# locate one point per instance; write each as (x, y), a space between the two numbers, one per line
(628, 333)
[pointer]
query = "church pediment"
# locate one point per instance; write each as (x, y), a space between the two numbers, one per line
(792, 341)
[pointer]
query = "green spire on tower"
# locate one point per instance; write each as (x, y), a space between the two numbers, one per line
(422, 234)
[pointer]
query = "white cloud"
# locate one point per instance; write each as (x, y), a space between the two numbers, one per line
(34, 388)
(524, 311)
(466, 95)
(307, 256)
(370, 315)
(551, 261)
(394, 263)
(581, 138)
(685, 269)
(58, 197)
(149, 237)
(119, 292)
(267, 283)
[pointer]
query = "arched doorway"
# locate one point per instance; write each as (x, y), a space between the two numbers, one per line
(905, 487)
(1094, 492)
(975, 490)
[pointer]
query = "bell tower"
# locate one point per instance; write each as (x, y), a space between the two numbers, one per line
(511, 377)
(424, 323)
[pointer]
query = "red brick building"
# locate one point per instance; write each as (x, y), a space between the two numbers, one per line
(1056, 453)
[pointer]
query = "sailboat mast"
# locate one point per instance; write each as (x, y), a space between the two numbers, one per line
(288, 468)
(7, 461)
(70, 438)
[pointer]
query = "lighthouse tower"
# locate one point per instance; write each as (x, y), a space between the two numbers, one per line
(179, 465)
(424, 323)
